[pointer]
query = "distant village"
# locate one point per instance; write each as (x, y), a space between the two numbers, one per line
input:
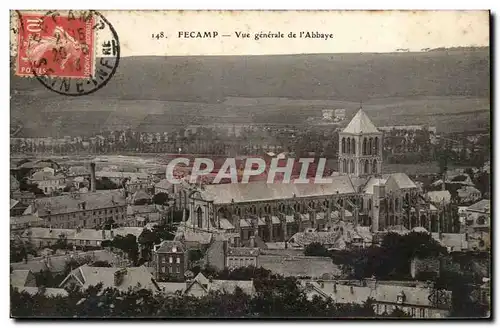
(84, 222)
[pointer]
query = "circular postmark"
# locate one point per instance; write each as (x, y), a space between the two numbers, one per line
(72, 53)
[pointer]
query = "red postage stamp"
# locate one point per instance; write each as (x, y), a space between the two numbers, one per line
(55, 45)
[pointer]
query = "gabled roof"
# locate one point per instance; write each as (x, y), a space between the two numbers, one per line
(132, 278)
(360, 123)
(481, 206)
(18, 277)
(13, 203)
(401, 180)
(167, 246)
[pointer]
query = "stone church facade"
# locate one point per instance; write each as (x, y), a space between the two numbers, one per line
(360, 194)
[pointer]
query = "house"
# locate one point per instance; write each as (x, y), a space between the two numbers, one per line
(57, 263)
(194, 240)
(242, 257)
(454, 242)
(133, 180)
(201, 286)
(139, 215)
(171, 260)
(48, 181)
(86, 210)
(16, 207)
(22, 278)
(469, 194)
(478, 224)
(119, 278)
(24, 222)
(429, 266)
(41, 237)
(419, 301)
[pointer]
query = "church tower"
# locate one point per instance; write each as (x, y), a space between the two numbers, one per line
(360, 147)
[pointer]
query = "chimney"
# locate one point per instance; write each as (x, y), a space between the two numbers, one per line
(92, 177)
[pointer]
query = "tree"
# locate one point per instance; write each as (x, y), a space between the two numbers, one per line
(195, 255)
(316, 249)
(161, 198)
(164, 231)
(127, 244)
(147, 239)
(105, 184)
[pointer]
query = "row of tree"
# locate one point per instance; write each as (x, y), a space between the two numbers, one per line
(275, 297)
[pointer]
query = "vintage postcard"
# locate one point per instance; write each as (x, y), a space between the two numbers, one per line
(250, 164)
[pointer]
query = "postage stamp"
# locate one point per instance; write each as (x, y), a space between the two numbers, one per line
(64, 43)
(70, 52)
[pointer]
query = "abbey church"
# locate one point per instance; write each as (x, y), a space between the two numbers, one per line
(360, 195)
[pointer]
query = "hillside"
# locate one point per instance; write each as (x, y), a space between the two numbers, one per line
(202, 85)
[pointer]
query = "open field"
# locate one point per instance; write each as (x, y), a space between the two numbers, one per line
(442, 88)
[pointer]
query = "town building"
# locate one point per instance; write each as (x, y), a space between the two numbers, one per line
(120, 278)
(171, 259)
(416, 299)
(48, 181)
(57, 263)
(45, 237)
(16, 207)
(201, 286)
(85, 210)
(238, 257)
(468, 194)
(133, 180)
(478, 225)
(23, 222)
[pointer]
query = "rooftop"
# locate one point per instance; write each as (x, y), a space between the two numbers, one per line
(259, 191)
(171, 246)
(133, 277)
(360, 123)
(18, 277)
(73, 202)
(482, 206)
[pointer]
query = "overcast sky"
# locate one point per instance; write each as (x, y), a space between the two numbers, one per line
(353, 31)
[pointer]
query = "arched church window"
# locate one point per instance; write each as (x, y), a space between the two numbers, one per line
(364, 146)
(348, 146)
(376, 145)
(370, 147)
(344, 163)
(352, 166)
(367, 167)
(353, 146)
(343, 145)
(374, 168)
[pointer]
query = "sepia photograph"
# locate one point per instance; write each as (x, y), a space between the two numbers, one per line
(250, 164)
